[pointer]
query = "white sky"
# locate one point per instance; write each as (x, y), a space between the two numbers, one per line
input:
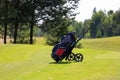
(86, 7)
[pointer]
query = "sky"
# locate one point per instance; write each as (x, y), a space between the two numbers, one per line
(86, 7)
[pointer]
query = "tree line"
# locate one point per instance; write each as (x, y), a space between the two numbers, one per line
(20, 18)
(107, 24)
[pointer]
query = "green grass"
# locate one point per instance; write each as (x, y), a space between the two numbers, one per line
(33, 62)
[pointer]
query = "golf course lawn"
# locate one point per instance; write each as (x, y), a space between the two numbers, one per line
(33, 62)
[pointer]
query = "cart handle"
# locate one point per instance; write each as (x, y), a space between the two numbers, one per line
(82, 35)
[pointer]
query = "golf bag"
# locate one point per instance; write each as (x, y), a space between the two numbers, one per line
(64, 48)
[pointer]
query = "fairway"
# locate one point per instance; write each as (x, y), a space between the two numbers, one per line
(33, 62)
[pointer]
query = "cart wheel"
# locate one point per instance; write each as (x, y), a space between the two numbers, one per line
(71, 57)
(78, 57)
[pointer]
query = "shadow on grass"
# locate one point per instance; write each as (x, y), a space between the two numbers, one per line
(60, 63)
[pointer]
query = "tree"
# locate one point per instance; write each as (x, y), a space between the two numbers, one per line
(6, 23)
(57, 18)
(29, 12)
(4, 17)
(1, 18)
(116, 23)
(86, 25)
(77, 27)
(11, 16)
(97, 18)
(1, 15)
(16, 20)
(55, 31)
(32, 21)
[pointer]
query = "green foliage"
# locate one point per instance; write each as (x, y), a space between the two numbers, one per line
(38, 32)
(1, 31)
(59, 18)
(77, 27)
(28, 12)
(56, 31)
(56, 17)
(23, 35)
(106, 25)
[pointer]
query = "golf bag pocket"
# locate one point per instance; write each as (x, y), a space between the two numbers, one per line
(59, 51)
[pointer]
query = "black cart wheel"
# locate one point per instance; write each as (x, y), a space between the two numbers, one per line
(71, 57)
(78, 57)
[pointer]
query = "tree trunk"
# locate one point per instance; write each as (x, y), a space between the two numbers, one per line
(5, 29)
(16, 28)
(16, 22)
(31, 28)
(5, 32)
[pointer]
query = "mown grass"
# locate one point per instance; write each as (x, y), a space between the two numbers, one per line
(110, 43)
(33, 62)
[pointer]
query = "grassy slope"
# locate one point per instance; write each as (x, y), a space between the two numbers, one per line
(103, 43)
(33, 62)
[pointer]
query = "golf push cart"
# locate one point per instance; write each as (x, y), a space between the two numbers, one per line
(64, 48)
